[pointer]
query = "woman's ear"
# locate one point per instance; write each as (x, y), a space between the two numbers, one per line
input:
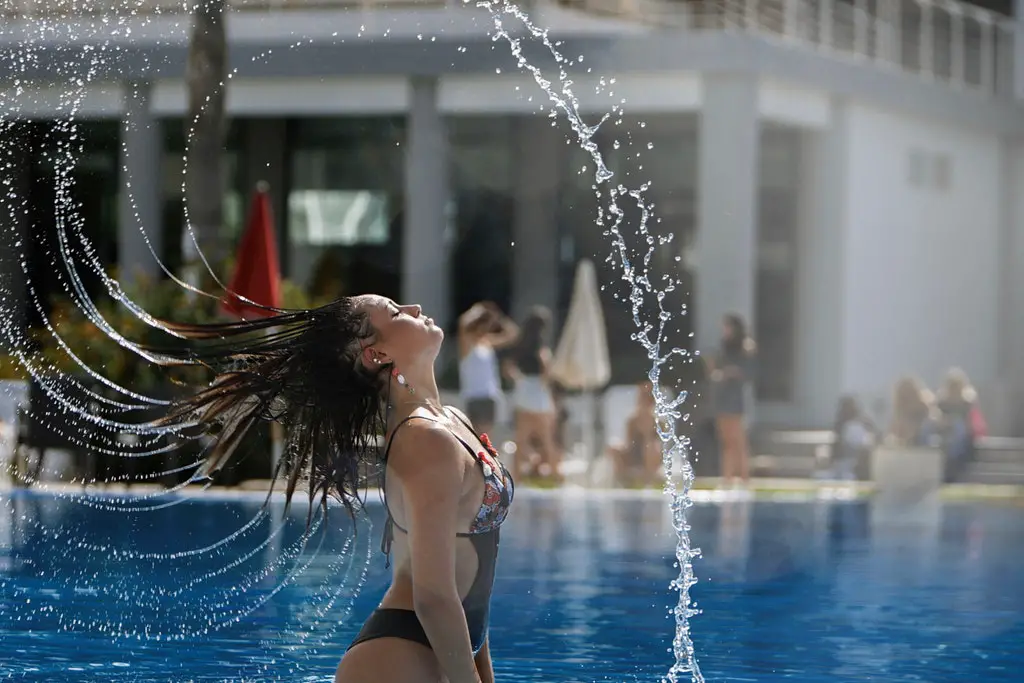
(374, 359)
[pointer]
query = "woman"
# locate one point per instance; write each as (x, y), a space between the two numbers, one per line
(913, 414)
(483, 330)
(536, 417)
(731, 373)
(638, 460)
(337, 377)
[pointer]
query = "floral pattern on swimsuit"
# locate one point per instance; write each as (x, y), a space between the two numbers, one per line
(498, 490)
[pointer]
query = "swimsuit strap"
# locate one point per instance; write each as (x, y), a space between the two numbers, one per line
(390, 525)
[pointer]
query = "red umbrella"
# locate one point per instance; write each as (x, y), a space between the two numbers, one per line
(257, 271)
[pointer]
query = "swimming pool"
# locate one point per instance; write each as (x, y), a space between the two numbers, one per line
(801, 591)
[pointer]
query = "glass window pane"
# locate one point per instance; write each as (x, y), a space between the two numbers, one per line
(338, 217)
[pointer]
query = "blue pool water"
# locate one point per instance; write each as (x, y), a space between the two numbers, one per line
(801, 591)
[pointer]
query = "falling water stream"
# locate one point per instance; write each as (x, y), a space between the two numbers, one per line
(632, 250)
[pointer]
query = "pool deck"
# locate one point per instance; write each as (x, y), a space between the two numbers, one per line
(705, 490)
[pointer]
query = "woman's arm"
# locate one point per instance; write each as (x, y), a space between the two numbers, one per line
(510, 369)
(504, 332)
(428, 463)
(475, 313)
(484, 667)
(545, 360)
(507, 335)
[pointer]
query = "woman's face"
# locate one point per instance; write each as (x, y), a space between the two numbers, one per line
(402, 334)
(727, 330)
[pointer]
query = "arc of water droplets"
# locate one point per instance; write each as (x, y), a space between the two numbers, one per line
(639, 284)
(73, 283)
(667, 408)
(218, 613)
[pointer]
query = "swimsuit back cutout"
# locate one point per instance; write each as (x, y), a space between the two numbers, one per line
(499, 487)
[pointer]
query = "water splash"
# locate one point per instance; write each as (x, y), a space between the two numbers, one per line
(650, 334)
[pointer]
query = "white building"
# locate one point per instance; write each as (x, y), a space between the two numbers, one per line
(847, 174)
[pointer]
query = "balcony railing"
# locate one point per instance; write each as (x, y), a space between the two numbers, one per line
(943, 40)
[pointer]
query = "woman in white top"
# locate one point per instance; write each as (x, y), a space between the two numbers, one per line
(482, 330)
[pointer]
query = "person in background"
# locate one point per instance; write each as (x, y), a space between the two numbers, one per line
(536, 417)
(731, 372)
(961, 422)
(562, 416)
(638, 461)
(853, 438)
(483, 330)
(913, 414)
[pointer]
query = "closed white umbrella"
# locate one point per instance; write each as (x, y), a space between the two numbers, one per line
(581, 360)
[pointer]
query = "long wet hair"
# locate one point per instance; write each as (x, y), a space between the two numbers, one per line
(302, 369)
(738, 341)
(532, 336)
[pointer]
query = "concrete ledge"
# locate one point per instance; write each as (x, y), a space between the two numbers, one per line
(902, 471)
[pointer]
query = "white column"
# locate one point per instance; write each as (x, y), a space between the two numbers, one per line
(426, 243)
(139, 214)
(535, 254)
(819, 299)
(727, 188)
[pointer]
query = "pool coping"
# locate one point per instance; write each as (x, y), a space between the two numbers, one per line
(704, 491)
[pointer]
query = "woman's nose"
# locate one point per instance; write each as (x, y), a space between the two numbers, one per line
(416, 310)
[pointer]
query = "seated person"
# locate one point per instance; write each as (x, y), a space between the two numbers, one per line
(913, 414)
(638, 461)
(853, 439)
(961, 423)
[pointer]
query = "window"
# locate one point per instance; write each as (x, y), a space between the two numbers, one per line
(930, 170)
(344, 205)
(344, 218)
(918, 168)
(941, 172)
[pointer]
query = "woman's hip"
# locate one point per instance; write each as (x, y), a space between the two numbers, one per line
(532, 395)
(389, 660)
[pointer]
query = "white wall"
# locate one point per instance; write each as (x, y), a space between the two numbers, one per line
(921, 283)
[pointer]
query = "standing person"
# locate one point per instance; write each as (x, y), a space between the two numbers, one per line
(483, 330)
(731, 374)
(336, 377)
(536, 417)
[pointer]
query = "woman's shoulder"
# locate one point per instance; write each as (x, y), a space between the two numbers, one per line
(462, 417)
(423, 435)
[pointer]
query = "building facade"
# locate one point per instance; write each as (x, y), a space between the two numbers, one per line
(848, 175)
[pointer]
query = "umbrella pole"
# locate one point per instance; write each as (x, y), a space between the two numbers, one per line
(589, 442)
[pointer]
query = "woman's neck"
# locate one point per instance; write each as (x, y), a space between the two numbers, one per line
(418, 390)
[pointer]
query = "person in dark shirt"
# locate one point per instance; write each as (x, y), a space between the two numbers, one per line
(731, 374)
